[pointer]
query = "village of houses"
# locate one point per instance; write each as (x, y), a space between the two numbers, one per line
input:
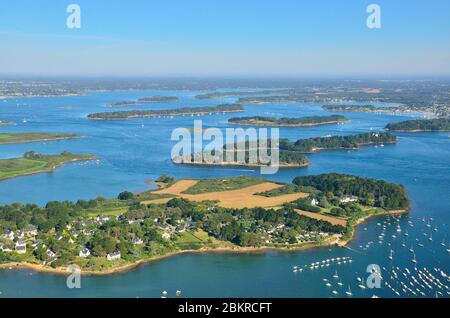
(25, 239)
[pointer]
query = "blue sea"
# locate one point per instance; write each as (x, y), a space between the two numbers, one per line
(135, 151)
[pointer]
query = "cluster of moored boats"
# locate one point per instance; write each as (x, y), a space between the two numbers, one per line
(402, 282)
(323, 263)
(419, 282)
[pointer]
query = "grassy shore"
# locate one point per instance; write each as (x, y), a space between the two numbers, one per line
(17, 138)
(16, 167)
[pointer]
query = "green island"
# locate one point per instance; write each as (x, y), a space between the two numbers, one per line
(286, 159)
(128, 114)
(104, 236)
(350, 142)
(123, 103)
(5, 123)
(291, 154)
(439, 124)
(32, 163)
(17, 138)
(288, 122)
(158, 99)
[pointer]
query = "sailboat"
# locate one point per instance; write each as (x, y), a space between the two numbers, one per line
(349, 291)
(391, 255)
(336, 275)
(414, 259)
(430, 238)
(361, 285)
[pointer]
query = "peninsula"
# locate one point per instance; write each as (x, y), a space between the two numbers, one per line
(241, 214)
(288, 122)
(158, 99)
(129, 114)
(123, 104)
(439, 124)
(5, 123)
(357, 108)
(17, 138)
(32, 163)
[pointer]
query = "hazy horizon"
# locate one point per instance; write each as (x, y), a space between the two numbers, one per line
(229, 39)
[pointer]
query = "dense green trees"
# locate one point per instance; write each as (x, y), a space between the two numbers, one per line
(267, 121)
(127, 114)
(377, 193)
(440, 124)
(125, 195)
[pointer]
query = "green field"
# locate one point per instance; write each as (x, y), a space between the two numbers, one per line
(36, 163)
(16, 138)
(223, 184)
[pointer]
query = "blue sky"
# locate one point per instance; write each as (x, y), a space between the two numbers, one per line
(225, 37)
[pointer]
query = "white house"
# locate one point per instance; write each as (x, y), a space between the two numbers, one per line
(113, 256)
(166, 235)
(6, 248)
(84, 252)
(180, 228)
(348, 198)
(9, 235)
(137, 241)
(314, 202)
(50, 253)
(21, 247)
(30, 230)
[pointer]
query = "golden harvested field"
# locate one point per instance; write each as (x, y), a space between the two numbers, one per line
(178, 187)
(241, 198)
(318, 216)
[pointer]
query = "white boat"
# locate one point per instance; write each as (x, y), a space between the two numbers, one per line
(349, 291)
(414, 259)
(178, 292)
(335, 292)
(336, 275)
(391, 255)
